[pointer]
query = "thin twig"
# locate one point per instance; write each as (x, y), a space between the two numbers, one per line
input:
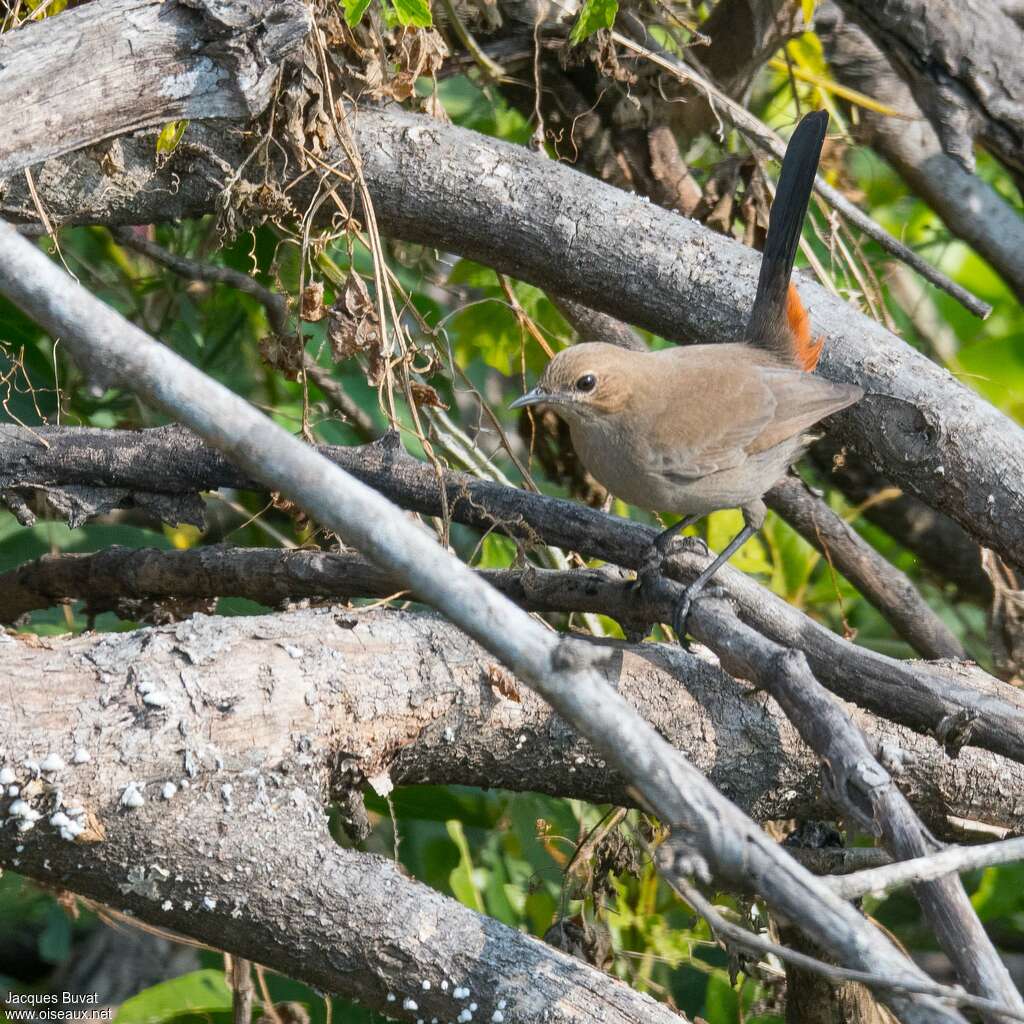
(760, 134)
(922, 869)
(765, 947)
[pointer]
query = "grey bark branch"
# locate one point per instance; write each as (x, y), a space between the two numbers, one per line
(960, 702)
(564, 672)
(128, 64)
(953, 858)
(544, 223)
(866, 791)
(968, 206)
(961, 58)
(237, 853)
(437, 710)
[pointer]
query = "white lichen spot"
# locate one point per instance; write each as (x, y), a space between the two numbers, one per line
(381, 783)
(132, 796)
(210, 903)
(168, 790)
(472, 1007)
(449, 734)
(166, 905)
(23, 810)
(410, 1004)
(187, 904)
(391, 997)
(461, 993)
(293, 651)
(52, 763)
(502, 1003)
(444, 985)
(60, 820)
(425, 985)
(81, 756)
(497, 1017)
(7, 776)
(225, 794)
(156, 699)
(13, 790)
(464, 1017)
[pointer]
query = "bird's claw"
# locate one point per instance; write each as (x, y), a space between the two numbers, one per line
(680, 614)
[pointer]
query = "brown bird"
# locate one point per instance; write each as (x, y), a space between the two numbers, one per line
(697, 428)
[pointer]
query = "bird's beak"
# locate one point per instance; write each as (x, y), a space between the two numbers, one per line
(534, 397)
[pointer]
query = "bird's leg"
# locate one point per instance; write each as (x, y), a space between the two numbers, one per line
(753, 519)
(682, 609)
(659, 548)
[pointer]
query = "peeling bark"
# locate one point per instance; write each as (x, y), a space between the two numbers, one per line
(139, 63)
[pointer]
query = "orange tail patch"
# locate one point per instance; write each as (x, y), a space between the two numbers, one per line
(805, 352)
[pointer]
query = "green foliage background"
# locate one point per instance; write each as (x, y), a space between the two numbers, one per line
(500, 853)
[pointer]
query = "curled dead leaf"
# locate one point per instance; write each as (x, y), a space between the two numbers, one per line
(504, 682)
(313, 302)
(353, 327)
(425, 395)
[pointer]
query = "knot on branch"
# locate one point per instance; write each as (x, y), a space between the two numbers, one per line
(954, 731)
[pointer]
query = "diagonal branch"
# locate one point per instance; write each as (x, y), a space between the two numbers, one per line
(866, 792)
(544, 223)
(959, 702)
(564, 672)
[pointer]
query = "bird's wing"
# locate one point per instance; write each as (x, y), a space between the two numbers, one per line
(720, 419)
(728, 402)
(801, 400)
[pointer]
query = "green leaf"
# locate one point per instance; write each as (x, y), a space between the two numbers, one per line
(462, 879)
(354, 11)
(169, 137)
(596, 14)
(413, 12)
(1000, 892)
(195, 993)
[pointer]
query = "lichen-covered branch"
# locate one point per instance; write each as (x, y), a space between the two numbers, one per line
(563, 671)
(182, 775)
(138, 63)
(958, 701)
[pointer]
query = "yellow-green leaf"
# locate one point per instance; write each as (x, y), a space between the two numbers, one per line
(354, 11)
(596, 14)
(169, 137)
(807, 6)
(414, 13)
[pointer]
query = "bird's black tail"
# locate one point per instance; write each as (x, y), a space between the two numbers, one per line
(778, 321)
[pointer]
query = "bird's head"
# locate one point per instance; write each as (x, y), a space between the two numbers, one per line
(584, 382)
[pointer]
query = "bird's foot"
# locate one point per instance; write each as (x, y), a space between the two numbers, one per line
(659, 550)
(683, 607)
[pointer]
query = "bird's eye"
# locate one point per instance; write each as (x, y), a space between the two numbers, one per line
(586, 383)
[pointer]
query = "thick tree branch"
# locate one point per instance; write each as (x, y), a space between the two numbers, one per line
(224, 837)
(540, 221)
(962, 61)
(438, 710)
(969, 207)
(562, 671)
(959, 702)
(137, 63)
